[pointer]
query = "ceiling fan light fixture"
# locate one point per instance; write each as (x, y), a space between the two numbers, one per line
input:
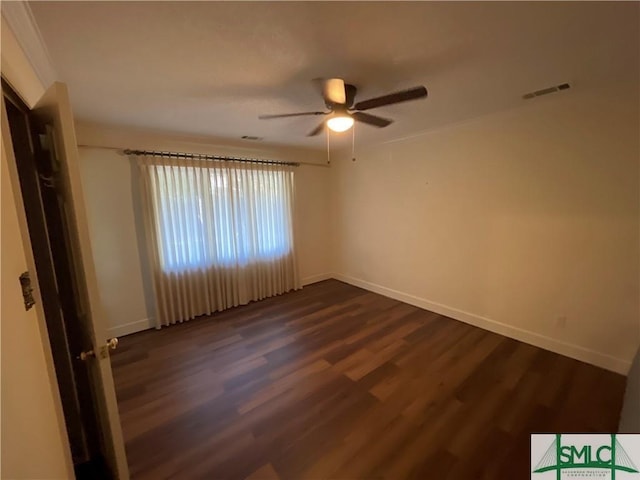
(340, 123)
(339, 98)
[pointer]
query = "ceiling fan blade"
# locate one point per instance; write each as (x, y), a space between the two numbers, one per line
(316, 130)
(283, 115)
(371, 119)
(333, 91)
(397, 97)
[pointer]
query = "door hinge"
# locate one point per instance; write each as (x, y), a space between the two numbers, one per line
(45, 145)
(27, 291)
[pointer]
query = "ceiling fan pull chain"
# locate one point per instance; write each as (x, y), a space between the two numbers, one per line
(328, 150)
(353, 143)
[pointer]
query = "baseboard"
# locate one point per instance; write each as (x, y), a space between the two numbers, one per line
(577, 352)
(131, 327)
(317, 278)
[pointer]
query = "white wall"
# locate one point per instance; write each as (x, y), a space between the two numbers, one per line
(107, 184)
(525, 222)
(110, 186)
(630, 414)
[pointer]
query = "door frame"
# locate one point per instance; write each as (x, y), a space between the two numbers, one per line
(44, 203)
(55, 105)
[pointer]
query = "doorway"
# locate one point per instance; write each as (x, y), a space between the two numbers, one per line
(46, 211)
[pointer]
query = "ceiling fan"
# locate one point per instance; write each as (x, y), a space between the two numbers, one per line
(339, 98)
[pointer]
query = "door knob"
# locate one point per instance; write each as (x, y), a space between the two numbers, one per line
(111, 344)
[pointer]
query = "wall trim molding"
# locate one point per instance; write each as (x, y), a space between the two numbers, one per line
(131, 327)
(23, 24)
(577, 352)
(316, 278)
(570, 350)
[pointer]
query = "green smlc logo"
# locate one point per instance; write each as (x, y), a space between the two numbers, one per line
(609, 456)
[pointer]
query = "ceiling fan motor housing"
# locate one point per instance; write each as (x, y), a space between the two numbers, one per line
(350, 96)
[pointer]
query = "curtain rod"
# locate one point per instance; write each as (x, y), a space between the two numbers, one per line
(203, 156)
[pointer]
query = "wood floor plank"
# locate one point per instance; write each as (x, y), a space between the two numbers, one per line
(334, 382)
(266, 472)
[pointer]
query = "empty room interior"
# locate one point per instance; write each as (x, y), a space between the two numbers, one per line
(319, 240)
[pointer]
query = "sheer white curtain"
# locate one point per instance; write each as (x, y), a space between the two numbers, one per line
(220, 234)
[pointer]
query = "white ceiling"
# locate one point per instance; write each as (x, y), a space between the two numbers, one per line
(210, 68)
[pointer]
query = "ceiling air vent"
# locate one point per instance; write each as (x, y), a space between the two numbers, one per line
(251, 137)
(546, 91)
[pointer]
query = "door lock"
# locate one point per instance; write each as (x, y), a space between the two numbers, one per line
(27, 291)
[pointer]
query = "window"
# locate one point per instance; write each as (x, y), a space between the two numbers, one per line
(221, 217)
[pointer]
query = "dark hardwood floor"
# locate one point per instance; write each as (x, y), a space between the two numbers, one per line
(336, 382)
